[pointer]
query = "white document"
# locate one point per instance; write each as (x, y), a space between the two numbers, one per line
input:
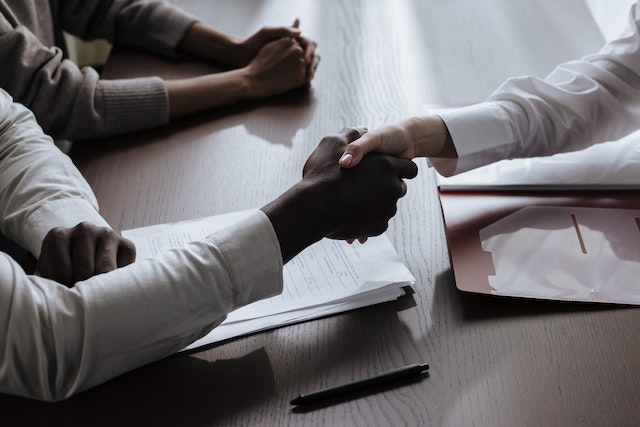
(328, 277)
(566, 253)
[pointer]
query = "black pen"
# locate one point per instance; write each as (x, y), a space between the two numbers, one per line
(381, 378)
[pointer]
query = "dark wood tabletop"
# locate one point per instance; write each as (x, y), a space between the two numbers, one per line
(494, 361)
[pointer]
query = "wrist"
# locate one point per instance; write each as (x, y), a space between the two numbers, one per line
(203, 41)
(249, 83)
(246, 83)
(297, 218)
(430, 137)
(187, 96)
(235, 52)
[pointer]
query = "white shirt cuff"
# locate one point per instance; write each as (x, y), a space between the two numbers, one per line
(65, 213)
(481, 134)
(256, 268)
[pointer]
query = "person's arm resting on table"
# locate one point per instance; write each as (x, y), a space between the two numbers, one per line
(73, 103)
(48, 208)
(57, 341)
(282, 63)
(579, 104)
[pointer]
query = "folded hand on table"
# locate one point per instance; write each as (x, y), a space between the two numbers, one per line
(70, 255)
(250, 47)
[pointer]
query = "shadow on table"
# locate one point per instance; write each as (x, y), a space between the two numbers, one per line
(486, 347)
(180, 390)
(471, 306)
(482, 306)
(276, 120)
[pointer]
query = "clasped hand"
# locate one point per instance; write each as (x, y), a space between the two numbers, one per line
(338, 203)
(281, 60)
(360, 201)
(70, 255)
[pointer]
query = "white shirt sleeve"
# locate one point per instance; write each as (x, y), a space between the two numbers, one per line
(56, 341)
(40, 188)
(579, 104)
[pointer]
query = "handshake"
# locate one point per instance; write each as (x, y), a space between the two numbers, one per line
(329, 201)
(339, 203)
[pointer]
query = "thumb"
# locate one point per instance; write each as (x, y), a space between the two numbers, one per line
(294, 30)
(356, 150)
(126, 252)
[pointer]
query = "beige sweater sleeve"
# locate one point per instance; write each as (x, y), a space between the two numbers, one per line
(73, 103)
(150, 25)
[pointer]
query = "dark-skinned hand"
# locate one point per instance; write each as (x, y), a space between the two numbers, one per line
(70, 255)
(339, 203)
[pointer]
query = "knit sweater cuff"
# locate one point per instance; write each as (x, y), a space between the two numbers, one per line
(174, 23)
(134, 104)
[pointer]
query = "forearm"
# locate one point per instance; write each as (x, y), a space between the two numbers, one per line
(206, 42)
(187, 96)
(41, 188)
(579, 104)
(103, 327)
(156, 26)
(73, 103)
(296, 219)
(429, 136)
(114, 322)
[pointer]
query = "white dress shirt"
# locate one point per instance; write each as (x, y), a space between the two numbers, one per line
(56, 341)
(581, 103)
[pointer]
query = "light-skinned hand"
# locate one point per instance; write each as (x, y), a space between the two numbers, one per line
(415, 137)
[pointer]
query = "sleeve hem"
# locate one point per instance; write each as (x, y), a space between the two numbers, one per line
(134, 104)
(256, 269)
(67, 212)
(481, 134)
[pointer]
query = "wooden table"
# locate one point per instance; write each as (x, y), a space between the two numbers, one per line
(494, 361)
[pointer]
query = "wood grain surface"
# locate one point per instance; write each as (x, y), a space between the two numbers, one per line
(494, 361)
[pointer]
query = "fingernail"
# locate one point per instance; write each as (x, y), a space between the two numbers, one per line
(346, 159)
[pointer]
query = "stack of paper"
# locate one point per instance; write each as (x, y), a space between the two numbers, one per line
(327, 278)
